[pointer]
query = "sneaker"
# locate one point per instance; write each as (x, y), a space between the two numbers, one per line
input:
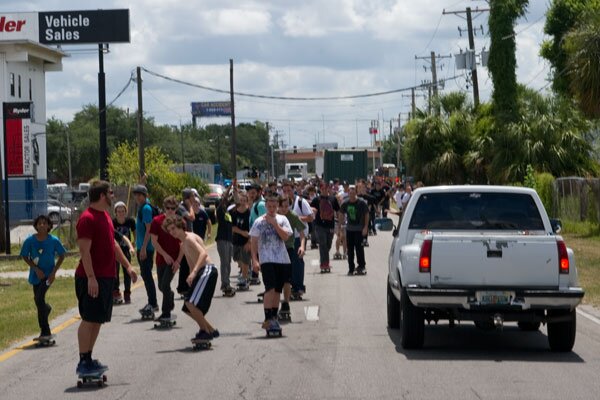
(127, 297)
(361, 271)
(155, 308)
(215, 334)
(165, 315)
(285, 307)
(350, 273)
(266, 324)
(274, 324)
(97, 365)
(84, 368)
(202, 335)
(146, 309)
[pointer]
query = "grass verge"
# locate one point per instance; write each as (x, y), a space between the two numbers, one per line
(19, 265)
(18, 315)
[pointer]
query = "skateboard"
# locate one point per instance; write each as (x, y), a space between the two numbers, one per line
(337, 256)
(198, 344)
(325, 269)
(274, 330)
(228, 293)
(117, 301)
(44, 341)
(285, 316)
(98, 378)
(166, 322)
(147, 315)
(260, 297)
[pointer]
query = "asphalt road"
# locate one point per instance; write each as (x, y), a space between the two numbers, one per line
(337, 347)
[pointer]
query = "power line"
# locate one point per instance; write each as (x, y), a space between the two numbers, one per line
(282, 97)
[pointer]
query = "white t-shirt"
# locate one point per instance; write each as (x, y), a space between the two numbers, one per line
(398, 198)
(405, 199)
(271, 249)
(302, 209)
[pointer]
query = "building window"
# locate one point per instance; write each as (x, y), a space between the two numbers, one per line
(12, 84)
(30, 95)
(19, 86)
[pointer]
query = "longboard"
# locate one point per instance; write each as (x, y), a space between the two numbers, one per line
(166, 322)
(98, 378)
(200, 344)
(44, 341)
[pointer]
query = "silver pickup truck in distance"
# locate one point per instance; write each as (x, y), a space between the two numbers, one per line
(486, 254)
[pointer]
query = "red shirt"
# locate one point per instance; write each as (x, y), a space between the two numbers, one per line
(98, 227)
(166, 241)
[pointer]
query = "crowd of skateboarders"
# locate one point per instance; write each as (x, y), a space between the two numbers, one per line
(265, 230)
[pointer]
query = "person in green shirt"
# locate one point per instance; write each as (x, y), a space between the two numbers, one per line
(297, 227)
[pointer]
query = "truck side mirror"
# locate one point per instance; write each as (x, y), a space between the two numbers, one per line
(384, 224)
(556, 225)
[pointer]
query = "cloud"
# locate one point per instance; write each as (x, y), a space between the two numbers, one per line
(235, 22)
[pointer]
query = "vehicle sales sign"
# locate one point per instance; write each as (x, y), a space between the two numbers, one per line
(67, 27)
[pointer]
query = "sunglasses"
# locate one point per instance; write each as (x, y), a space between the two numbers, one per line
(171, 208)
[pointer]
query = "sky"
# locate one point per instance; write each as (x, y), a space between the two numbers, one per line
(285, 48)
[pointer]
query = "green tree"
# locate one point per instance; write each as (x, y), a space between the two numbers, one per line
(582, 46)
(502, 62)
(562, 17)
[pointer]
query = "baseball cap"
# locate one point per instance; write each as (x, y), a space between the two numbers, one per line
(140, 189)
(187, 193)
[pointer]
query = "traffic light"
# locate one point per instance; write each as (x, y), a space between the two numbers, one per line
(295, 150)
(314, 148)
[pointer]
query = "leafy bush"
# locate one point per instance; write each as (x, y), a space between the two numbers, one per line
(544, 186)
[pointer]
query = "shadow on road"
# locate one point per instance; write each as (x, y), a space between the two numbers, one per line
(466, 342)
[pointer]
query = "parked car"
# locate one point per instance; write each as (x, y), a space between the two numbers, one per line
(58, 212)
(214, 195)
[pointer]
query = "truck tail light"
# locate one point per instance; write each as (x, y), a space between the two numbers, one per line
(563, 258)
(425, 257)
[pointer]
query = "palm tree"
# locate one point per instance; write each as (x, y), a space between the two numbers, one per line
(582, 46)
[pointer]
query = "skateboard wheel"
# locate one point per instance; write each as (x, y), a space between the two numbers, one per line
(104, 378)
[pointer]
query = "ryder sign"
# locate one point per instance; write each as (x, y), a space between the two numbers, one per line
(18, 138)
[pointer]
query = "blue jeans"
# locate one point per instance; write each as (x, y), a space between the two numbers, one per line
(297, 269)
(146, 272)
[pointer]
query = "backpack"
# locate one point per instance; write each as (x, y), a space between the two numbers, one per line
(155, 210)
(299, 203)
(326, 209)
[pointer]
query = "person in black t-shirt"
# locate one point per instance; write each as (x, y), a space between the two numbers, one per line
(240, 220)
(324, 206)
(126, 227)
(379, 197)
(201, 225)
(364, 194)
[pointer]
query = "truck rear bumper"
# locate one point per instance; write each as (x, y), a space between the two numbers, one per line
(521, 299)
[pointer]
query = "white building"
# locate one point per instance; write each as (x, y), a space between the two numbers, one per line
(23, 66)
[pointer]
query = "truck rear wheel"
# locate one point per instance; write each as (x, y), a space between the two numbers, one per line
(561, 335)
(412, 323)
(393, 309)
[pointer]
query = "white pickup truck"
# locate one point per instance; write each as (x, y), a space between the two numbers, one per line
(487, 254)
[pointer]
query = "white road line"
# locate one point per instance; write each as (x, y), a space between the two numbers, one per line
(588, 316)
(311, 313)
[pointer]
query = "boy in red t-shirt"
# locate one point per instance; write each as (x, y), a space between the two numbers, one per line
(168, 255)
(95, 274)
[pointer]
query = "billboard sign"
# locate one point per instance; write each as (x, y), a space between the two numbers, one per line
(211, 109)
(18, 139)
(66, 27)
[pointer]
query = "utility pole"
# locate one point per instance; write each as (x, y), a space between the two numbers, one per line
(468, 11)
(233, 140)
(414, 105)
(69, 159)
(102, 113)
(140, 125)
(433, 87)
(269, 151)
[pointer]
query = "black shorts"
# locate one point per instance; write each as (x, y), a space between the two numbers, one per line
(99, 309)
(275, 275)
(241, 256)
(203, 289)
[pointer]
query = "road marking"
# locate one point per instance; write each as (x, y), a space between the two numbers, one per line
(311, 313)
(57, 329)
(588, 316)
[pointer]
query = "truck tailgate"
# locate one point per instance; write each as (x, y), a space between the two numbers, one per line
(515, 261)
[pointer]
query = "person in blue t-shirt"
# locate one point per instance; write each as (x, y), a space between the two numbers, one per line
(39, 251)
(143, 245)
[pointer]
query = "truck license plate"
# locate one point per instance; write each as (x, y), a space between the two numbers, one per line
(494, 297)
